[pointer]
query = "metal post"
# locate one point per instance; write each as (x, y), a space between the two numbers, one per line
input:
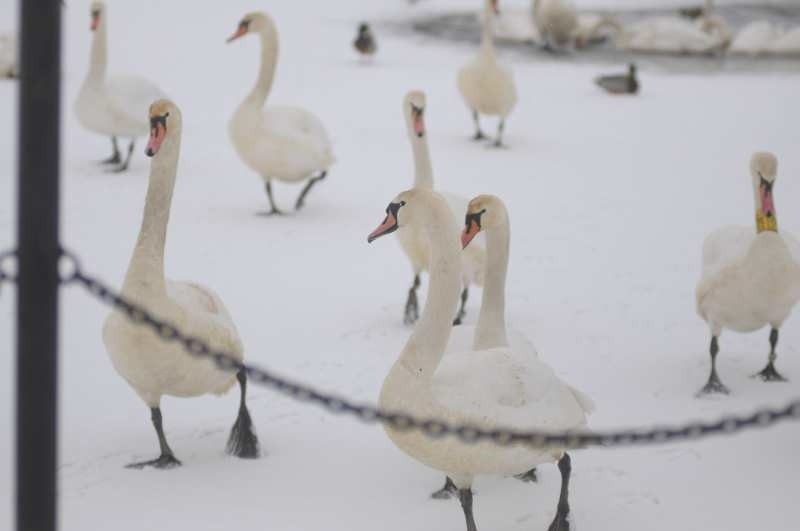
(38, 254)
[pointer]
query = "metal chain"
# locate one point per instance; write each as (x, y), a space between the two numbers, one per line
(434, 428)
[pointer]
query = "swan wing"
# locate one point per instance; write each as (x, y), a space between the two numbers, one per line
(131, 96)
(205, 310)
(496, 387)
(296, 126)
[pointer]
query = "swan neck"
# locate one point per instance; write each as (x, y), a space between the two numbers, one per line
(423, 169)
(145, 276)
(424, 350)
(491, 329)
(266, 72)
(487, 36)
(98, 56)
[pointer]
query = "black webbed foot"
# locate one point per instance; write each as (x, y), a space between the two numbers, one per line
(770, 374)
(163, 462)
(528, 477)
(446, 492)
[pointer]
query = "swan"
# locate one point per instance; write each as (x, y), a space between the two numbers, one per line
(556, 21)
(762, 37)
(486, 85)
(113, 106)
(150, 365)
(284, 143)
(749, 280)
(414, 241)
(497, 387)
(8, 56)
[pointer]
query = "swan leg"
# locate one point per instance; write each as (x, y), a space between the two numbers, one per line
(167, 458)
(302, 197)
(274, 210)
(528, 477)
(127, 161)
(243, 441)
(412, 307)
(465, 497)
(561, 520)
(769, 373)
(498, 142)
(115, 157)
(447, 491)
(461, 311)
(714, 384)
(478, 133)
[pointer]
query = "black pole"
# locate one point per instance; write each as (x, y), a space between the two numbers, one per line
(38, 254)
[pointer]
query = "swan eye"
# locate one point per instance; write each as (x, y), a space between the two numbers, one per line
(156, 120)
(475, 217)
(245, 24)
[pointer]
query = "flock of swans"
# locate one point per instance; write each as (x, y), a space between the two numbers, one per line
(488, 375)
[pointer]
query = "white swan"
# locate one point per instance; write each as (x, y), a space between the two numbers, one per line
(556, 21)
(486, 85)
(150, 365)
(413, 240)
(487, 388)
(8, 56)
(284, 143)
(750, 279)
(762, 37)
(112, 106)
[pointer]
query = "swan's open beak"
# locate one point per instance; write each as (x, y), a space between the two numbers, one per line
(471, 229)
(95, 20)
(158, 131)
(388, 226)
(240, 32)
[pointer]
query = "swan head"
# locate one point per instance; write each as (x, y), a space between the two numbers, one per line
(414, 111)
(494, 6)
(485, 212)
(97, 11)
(416, 207)
(764, 170)
(165, 124)
(254, 22)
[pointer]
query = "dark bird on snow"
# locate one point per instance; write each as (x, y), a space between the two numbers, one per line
(620, 83)
(365, 41)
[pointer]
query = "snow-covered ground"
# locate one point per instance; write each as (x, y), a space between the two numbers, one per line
(610, 199)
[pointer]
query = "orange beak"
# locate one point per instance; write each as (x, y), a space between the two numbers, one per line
(469, 232)
(240, 32)
(389, 225)
(95, 21)
(496, 6)
(157, 134)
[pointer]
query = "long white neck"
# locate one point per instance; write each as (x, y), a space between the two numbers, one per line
(491, 329)
(98, 57)
(423, 169)
(424, 350)
(487, 36)
(145, 276)
(266, 72)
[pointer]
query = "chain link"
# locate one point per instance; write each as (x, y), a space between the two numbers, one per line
(434, 428)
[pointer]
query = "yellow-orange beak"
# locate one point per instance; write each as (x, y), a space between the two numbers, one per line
(470, 231)
(240, 32)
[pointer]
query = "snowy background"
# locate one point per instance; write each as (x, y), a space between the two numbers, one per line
(610, 199)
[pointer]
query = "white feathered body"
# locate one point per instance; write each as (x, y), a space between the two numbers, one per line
(116, 106)
(487, 86)
(154, 367)
(749, 280)
(285, 143)
(416, 245)
(763, 37)
(675, 35)
(556, 20)
(491, 389)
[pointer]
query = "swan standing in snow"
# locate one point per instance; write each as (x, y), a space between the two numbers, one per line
(486, 85)
(762, 37)
(284, 143)
(413, 240)
(150, 365)
(750, 280)
(113, 106)
(487, 388)
(488, 214)
(8, 56)
(556, 21)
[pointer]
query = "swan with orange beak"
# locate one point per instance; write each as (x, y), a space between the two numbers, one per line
(750, 280)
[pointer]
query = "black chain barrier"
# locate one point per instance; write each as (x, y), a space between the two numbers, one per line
(434, 428)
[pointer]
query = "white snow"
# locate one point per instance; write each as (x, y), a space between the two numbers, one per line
(610, 199)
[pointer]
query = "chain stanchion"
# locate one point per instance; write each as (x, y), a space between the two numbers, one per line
(434, 428)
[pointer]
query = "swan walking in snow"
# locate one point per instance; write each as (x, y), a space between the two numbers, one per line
(486, 85)
(750, 280)
(150, 365)
(414, 241)
(113, 106)
(284, 143)
(487, 388)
